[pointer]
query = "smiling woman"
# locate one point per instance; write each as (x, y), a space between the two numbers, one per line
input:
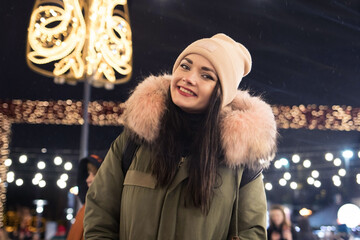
(193, 82)
(197, 134)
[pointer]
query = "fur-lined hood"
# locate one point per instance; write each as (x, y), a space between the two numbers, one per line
(248, 127)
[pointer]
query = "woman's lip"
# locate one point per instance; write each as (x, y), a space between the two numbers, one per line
(184, 93)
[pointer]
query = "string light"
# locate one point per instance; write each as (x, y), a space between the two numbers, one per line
(268, 186)
(315, 174)
(329, 157)
(107, 113)
(337, 162)
(5, 127)
(310, 180)
(295, 158)
(307, 163)
(343, 118)
(66, 44)
(293, 185)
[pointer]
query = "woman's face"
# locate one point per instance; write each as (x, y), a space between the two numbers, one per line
(92, 172)
(277, 217)
(193, 83)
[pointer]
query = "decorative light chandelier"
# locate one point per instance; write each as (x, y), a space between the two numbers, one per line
(73, 40)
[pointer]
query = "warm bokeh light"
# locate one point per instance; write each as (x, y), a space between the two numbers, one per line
(287, 176)
(41, 165)
(42, 183)
(282, 182)
(307, 163)
(337, 162)
(342, 172)
(68, 166)
(317, 183)
(347, 154)
(8, 162)
(295, 158)
(310, 180)
(64, 177)
(74, 190)
(305, 212)
(10, 177)
(278, 164)
(284, 161)
(23, 159)
(19, 182)
(293, 185)
(329, 157)
(337, 183)
(58, 160)
(315, 174)
(61, 184)
(349, 214)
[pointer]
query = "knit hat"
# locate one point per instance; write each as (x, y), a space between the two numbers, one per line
(231, 60)
(83, 174)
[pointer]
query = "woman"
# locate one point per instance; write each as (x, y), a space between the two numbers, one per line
(280, 228)
(87, 170)
(197, 133)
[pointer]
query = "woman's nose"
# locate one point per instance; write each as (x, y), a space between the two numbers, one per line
(190, 78)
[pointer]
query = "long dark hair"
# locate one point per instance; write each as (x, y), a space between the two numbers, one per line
(205, 152)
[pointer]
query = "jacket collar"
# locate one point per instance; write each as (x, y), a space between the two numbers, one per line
(248, 127)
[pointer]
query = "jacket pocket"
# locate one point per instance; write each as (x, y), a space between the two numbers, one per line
(141, 179)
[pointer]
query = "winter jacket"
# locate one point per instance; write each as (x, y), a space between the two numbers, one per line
(77, 229)
(134, 207)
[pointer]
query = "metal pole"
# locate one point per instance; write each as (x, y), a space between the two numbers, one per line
(85, 127)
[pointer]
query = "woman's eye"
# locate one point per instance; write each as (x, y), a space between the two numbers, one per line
(208, 76)
(184, 66)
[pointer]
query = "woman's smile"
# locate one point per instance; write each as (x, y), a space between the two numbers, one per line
(186, 92)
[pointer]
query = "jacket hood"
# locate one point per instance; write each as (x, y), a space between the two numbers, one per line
(248, 127)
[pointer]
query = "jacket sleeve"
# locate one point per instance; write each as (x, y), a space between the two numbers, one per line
(103, 199)
(252, 211)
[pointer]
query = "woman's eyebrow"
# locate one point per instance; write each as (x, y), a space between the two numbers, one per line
(208, 69)
(203, 68)
(189, 60)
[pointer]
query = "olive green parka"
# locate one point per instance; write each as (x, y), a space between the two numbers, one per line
(133, 207)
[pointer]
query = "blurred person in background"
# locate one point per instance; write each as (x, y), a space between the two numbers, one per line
(87, 170)
(3, 234)
(280, 227)
(305, 232)
(22, 230)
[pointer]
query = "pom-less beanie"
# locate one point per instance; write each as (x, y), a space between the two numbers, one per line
(231, 60)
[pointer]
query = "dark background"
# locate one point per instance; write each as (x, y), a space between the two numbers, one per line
(304, 52)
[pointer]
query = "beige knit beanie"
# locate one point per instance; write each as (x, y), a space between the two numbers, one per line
(231, 60)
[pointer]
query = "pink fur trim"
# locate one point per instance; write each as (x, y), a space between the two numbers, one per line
(146, 106)
(248, 127)
(248, 131)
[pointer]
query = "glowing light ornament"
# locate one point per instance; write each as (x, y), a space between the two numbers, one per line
(349, 214)
(74, 40)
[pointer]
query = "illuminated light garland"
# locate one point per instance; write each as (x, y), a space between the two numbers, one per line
(5, 127)
(68, 112)
(62, 42)
(343, 118)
